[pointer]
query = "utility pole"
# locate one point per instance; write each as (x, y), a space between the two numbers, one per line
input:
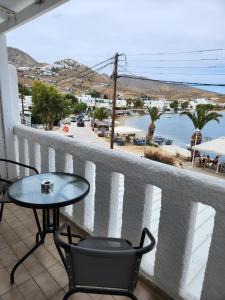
(22, 101)
(114, 77)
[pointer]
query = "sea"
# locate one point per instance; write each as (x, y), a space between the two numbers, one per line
(176, 127)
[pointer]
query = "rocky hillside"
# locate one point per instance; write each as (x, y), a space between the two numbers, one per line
(159, 89)
(67, 75)
(20, 59)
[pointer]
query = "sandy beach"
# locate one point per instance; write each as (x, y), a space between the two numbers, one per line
(86, 134)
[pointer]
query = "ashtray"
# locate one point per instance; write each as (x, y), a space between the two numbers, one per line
(47, 186)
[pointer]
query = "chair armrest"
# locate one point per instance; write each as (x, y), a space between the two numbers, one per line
(61, 231)
(19, 164)
(61, 244)
(142, 250)
(6, 180)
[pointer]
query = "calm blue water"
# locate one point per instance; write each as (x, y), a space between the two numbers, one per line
(179, 128)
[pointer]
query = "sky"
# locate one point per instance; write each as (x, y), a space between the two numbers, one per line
(90, 31)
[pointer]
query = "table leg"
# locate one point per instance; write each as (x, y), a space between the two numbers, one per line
(12, 274)
(47, 227)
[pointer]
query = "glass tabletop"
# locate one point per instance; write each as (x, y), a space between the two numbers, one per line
(67, 189)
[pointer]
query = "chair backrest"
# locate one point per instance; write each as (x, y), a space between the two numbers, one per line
(109, 266)
(6, 161)
(106, 269)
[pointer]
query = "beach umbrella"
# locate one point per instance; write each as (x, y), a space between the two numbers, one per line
(216, 146)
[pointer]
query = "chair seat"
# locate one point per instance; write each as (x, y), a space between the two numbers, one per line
(100, 243)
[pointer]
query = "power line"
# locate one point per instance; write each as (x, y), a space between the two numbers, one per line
(100, 63)
(177, 67)
(169, 81)
(94, 71)
(168, 60)
(91, 72)
(189, 74)
(177, 52)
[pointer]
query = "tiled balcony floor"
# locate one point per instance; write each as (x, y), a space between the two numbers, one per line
(42, 275)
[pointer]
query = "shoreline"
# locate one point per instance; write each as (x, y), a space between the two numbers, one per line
(86, 133)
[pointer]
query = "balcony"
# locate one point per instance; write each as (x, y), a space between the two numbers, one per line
(42, 276)
(183, 210)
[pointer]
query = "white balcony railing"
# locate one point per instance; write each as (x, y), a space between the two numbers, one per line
(129, 192)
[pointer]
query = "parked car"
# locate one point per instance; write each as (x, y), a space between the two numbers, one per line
(120, 142)
(86, 118)
(80, 123)
(139, 141)
(73, 119)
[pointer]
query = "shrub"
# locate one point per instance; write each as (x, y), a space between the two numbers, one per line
(160, 156)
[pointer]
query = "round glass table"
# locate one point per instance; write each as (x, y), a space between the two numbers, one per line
(48, 192)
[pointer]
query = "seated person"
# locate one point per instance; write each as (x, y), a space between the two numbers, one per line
(207, 161)
(215, 161)
(197, 154)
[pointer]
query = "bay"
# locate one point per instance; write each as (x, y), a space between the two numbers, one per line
(176, 127)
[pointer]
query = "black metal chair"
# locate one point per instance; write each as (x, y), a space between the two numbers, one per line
(101, 265)
(4, 184)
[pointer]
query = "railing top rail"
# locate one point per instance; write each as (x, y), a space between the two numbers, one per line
(196, 187)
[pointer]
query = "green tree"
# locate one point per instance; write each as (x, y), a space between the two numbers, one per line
(23, 91)
(174, 105)
(184, 105)
(200, 118)
(48, 105)
(206, 106)
(79, 107)
(100, 113)
(95, 94)
(155, 115)
(138, 103)
(71, 97)
(129, 102)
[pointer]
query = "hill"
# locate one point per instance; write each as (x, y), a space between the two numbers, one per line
(20, 59)
(71, 77)
(159, 89)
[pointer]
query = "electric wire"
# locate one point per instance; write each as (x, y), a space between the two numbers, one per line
(90, 69)
(178, 52)
(94, 71)
(179, 60)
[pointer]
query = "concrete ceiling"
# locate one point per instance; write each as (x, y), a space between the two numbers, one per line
(16, 12)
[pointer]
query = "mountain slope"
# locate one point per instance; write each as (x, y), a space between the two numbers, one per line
(20, 59)
(159, 89)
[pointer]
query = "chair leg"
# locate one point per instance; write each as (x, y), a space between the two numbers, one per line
(69, 293)
(132, 296)
(1, 210)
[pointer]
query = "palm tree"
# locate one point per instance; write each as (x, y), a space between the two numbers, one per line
(200, 118)
(155, 115)
(100, 113)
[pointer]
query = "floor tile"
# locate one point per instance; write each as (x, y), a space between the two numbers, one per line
(42, 275)
(31, 291)
(47, 284)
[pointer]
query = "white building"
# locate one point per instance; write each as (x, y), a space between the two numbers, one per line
(94, 102)
(195, 102)
(160, 104)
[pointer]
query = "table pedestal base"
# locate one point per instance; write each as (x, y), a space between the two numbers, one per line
(50, 223)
